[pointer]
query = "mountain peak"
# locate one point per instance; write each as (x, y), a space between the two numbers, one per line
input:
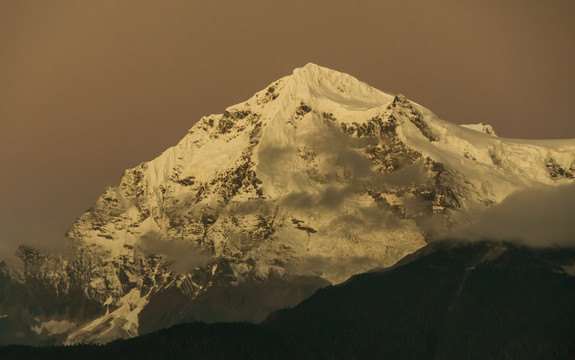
(313, 70)
(335, 86)
(315, 178)
(313, 67)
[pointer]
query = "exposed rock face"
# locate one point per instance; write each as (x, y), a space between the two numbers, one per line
(314, 179)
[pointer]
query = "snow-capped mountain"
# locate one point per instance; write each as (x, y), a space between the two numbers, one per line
(315, 178)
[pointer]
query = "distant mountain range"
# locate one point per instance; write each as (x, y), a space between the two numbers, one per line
(316, 178)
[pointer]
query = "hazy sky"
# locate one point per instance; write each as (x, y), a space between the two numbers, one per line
(89, 88)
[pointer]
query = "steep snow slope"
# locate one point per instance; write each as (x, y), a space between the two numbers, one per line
(317, 176)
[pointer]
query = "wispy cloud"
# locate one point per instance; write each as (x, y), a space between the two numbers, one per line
(7, 249)
(536, 217)
(181, 256)
(50, 245)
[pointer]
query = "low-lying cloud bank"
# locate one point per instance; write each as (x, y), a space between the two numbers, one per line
(538, 217)
(49, 245)
(7, 249)
(181, 256)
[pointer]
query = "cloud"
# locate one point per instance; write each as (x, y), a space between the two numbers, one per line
(7, 249)
(331, 197)
(321, 265)
(60, 245)
(273, 155)
(298, 200)
(353, 174)
(249, 206)
(355, 163)
(538, 217)
(349, 168)
(406, 176)
(50, 245)
(181, 256)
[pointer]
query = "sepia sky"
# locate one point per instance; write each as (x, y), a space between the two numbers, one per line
(90, 88)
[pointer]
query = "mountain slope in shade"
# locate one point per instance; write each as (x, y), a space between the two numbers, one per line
(315, 178)
(449, 300)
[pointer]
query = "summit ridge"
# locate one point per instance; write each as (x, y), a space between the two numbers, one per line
(343, 88)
